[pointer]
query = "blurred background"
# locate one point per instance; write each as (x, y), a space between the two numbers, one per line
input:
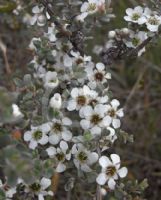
(136, 83)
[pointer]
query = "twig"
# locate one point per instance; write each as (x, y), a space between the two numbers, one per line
(137, 49)
(135, 87)
(58, 25)
(4, 51)
(98, 192)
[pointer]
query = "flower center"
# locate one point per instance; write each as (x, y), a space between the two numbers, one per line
(82, 156)
(112, 113)
(37, 135)
(98, 76)
(35, 187)
(135, 41)
(92, 7)
(93, 102)
(95, 119)
(60, 156)
(79, 61)
(111, 170)
(53, 80)
(153, 21)
(81, 100)
(135, 16)
(57, 127)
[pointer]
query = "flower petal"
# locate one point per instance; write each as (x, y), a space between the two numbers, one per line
(101, 179)
(54, 139)
(60, 168)
(115, 159)
(45, 183)
(85, 124)
(51, 151)
(111, 184)
(67, 135)
(122, 172)
(104, 161)
(116, 123)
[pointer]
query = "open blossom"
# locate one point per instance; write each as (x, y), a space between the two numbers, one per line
(90, 7)
(136, 39)
(56, 101)
(59, 129)
(114, 113)
(153, 20)
(38, 17)
(80, 97)
(97, 75)
(111, 171)
(37, 135)
(51, 80)
(83, 158)
(40, 188)
(135, 15)
(153, 23)
(94, 118)
(62, 153)
(76, 59)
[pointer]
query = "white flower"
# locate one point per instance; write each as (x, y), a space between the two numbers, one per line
(97, 75)
(95, 118)
(51, 80)
(56, 101)
(135, 15)
(61, 154)
(91, 7)
(37, 135)
(40, 188)
(16, 111)
(59, 130)
(76, 59)
(38, 16)
(136, 39)
(83, 158)
(153, 23)
(80, 98)
(9, 193)
(113, 112)
(110, 171)
(51, 34)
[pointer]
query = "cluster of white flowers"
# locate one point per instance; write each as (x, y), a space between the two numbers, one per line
(140, 15)
(83, 120)
(84, 110)
(148, 22)
(38, 188)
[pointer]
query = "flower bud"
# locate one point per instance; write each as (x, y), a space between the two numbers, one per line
(56, 101)
(111, 34)
(16, 111)
(125, 31)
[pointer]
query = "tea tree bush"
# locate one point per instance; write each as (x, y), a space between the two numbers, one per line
(66, 117)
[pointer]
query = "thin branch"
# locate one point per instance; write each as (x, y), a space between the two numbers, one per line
(135, 87)
(4, 51)
(98, 192)
(137, 49)
(58, 25)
